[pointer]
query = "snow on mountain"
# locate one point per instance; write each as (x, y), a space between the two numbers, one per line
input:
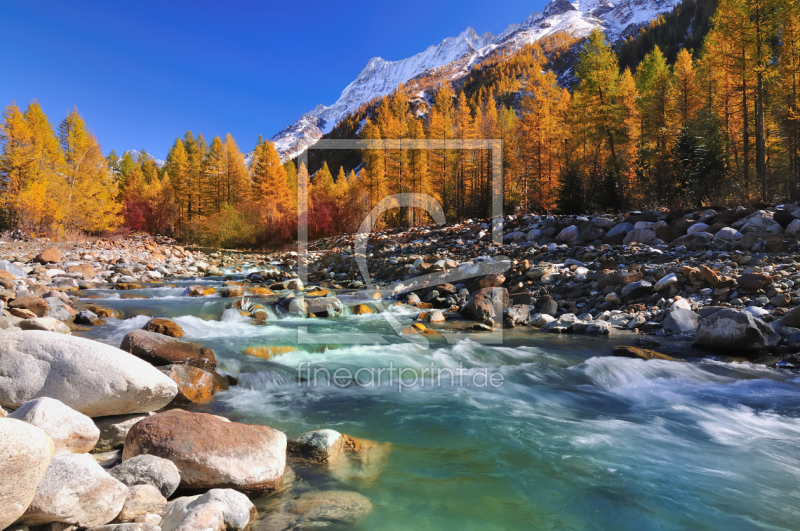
(135, 154)
(380, 77)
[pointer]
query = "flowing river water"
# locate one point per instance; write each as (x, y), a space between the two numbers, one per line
(571, 439)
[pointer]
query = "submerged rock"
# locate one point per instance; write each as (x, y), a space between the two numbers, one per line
(159, 349)
(641, 353)
(164, 326)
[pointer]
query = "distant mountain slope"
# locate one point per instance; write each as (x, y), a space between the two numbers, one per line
(381, 77)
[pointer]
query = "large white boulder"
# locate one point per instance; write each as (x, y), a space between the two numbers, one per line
(76, 490)
(25, 453)
(88, 376)
(216, 509)
(71, 431)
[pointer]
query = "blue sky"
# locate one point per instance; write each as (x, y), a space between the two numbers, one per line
(143, 73)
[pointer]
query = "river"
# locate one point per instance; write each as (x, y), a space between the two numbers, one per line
(564, 437)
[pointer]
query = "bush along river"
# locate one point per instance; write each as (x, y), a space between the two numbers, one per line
(542, 384)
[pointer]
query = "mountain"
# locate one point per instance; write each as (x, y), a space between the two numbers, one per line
(135, 154)
(380, 77)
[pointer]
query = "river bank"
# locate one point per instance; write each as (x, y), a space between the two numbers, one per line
(147, 386)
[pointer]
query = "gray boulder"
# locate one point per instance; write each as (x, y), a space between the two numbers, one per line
(7, 266)
(634, 290)
(735, 331)
(680, 322)
(570, 234)
(639, 236)
(149, 470)
(622, 228)
(88, 376)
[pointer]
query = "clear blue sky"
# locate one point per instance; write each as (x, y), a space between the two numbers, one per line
(143, 73)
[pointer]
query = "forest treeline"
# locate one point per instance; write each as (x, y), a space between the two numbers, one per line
(716, 125)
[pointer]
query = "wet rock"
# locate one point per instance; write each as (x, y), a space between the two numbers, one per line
(88, 318)
(25, 453)
(361, 309)
(731, 330)
(165, 327)
(641, 353)
(75, 490)
(70, 431)
(319, 508)
(141, 500)
(86, 375)
(268, 352)
(148, 469)
(199, 291)
(210, 452)
(36, 305)
(159, 349)
(486, 303)
(195, 384)
(319, 446)
(216, 510)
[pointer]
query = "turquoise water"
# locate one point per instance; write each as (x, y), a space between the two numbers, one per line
(572, 439)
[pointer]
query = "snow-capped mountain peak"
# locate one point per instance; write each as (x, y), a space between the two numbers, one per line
(380, 76)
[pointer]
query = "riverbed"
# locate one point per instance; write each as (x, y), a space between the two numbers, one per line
(541, 431)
